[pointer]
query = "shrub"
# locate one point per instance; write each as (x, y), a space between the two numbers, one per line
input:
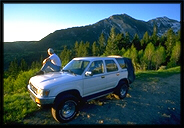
(17, 103)
(17, 106)
(18, 85)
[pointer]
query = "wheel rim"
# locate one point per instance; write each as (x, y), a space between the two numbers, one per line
(68, 109)
(123, 90)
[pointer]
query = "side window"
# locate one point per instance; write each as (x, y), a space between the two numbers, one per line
(121, 62)
(111, 65)
(96, 67)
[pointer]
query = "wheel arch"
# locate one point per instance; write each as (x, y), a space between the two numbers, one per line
(72, 92)
(124, 80)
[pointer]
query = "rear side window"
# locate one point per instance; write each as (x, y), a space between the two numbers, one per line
(121, 62)
(111, 66)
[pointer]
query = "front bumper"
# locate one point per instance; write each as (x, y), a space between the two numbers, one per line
(40, 100)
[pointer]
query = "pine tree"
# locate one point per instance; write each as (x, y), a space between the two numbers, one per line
(136, 42)
(178, 35)
(120, 41)
(133, 55)
(127, 40)
(95, 49)
(81, 49)
(87, 49)
(76, 48)
(122, 51)
(162, 40)
(65, 56)
(13, 69)
(127, 53)
(145, 40)
(154, 37)
(102, 44)
(23, 65)
(41, 59)
(170, 42)
(112, 47)
(35, 65)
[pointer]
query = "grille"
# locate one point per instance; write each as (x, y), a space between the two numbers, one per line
(33, 88)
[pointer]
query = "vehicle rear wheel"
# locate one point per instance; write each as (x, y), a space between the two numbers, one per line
(65, 109)
(123, 90)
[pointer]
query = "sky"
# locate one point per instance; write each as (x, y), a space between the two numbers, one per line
(32, 22)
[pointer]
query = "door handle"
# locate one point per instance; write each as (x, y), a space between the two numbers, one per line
(117, 74)
(102, 76)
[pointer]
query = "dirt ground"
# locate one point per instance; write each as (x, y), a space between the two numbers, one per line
(153, 101)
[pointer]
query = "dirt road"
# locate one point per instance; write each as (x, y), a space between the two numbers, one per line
(153, 101)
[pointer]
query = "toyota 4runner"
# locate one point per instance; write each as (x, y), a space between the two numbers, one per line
(82, 79)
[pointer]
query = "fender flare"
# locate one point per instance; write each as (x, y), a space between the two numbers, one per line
(73, 92)
(124, 80)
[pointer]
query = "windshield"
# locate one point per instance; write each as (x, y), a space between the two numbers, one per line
(76, 66)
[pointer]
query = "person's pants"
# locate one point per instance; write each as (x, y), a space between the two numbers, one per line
(50, 67)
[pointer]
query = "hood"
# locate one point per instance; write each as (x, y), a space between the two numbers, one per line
(51, 79)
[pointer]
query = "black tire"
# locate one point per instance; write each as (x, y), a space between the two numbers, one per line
(122, 91)
(65, 109)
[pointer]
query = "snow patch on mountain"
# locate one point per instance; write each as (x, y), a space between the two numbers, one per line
(163, 24)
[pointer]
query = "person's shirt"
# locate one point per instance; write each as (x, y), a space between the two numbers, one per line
(55, 59)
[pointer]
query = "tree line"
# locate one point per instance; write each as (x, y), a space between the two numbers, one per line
(148, 53)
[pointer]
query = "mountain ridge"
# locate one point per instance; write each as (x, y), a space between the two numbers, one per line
(122, 22)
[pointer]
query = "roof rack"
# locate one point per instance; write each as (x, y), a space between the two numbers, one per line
(115, 56)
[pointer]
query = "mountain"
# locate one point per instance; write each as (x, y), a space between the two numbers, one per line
(163, 24)
(123, 23)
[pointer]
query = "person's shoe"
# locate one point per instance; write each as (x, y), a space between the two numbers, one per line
(40, 72)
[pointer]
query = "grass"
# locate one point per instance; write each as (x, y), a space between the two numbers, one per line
(148, 75)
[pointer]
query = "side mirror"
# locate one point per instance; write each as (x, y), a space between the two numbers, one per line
(88, 73)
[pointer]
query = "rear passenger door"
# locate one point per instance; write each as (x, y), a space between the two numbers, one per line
(113, 74)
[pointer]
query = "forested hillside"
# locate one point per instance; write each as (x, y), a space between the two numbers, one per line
(128, 29)
(149, 53)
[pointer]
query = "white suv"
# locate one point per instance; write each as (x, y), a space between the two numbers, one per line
(82, 79)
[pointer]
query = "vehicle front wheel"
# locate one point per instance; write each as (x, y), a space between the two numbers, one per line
(65, 109)
(123, 90)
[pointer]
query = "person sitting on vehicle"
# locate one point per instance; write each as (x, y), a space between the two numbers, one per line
(51, 63)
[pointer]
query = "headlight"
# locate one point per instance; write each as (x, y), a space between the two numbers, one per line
(42, 93)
